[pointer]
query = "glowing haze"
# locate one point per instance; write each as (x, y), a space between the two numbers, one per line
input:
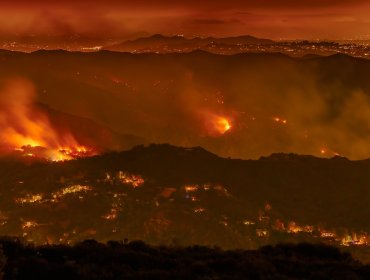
(98, 21)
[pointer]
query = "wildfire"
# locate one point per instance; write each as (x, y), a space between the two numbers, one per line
(191, 188)
(112, 215)
(29, 224)
(26, 130)
(217, 125)
(74, 152)
(57, 154)
(280, 120)
(223, 125)
(71, 190)
(326, 152)
(133, 180)
(34, 198)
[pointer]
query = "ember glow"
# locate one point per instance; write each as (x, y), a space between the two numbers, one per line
(133, 180)
(223, 125)
(26, 130)
(217, 125)
(280, 120)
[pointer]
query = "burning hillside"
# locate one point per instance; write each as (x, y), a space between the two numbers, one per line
(187, 100)
(237, 106)
(27, 130)
(216, 125)
(33, 130)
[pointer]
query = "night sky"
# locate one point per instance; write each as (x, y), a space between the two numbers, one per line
(112, 19)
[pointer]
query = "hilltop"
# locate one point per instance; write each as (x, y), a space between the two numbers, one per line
(163, 194)
(158, 42)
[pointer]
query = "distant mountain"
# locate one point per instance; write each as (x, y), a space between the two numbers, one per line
(77, 42)
(159, 41)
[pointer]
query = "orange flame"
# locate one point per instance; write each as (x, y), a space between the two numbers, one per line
(222, 125)
(27, 130)
(217, 125)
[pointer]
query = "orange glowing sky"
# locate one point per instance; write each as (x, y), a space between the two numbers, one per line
(113, 19)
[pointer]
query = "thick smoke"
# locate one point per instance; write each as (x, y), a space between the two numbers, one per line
(23, 124)
(243, 106)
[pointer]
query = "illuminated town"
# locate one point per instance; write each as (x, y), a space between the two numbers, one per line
(295, 48)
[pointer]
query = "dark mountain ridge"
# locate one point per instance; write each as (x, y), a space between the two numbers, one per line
(158, 41)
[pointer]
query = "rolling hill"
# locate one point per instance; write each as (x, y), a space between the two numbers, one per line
(163, 194)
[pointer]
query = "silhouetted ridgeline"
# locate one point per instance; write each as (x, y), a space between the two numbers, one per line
(308, 189)
(159, 41)
(137, 260)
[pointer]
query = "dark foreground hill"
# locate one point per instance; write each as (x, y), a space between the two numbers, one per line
(169, 195)
(137, 260)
